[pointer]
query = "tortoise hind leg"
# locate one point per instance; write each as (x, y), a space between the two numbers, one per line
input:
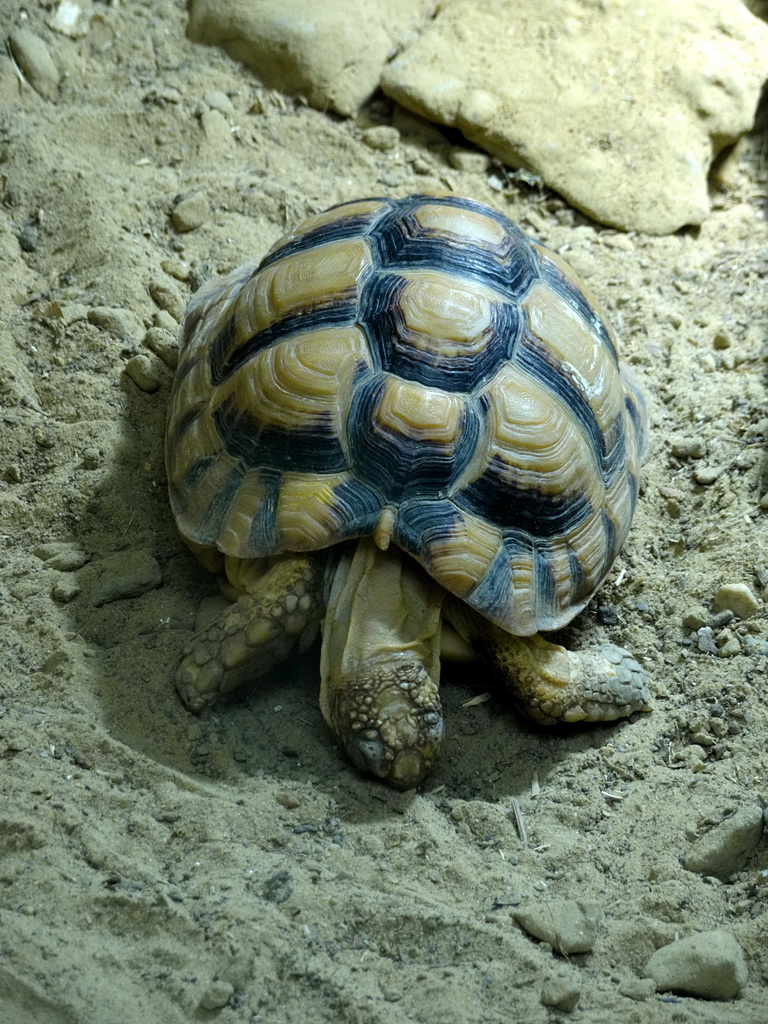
(279, 613)
(551, 684)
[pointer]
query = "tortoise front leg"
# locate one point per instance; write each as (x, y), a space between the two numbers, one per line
(280, 613)
(380, 663)
(549, 683)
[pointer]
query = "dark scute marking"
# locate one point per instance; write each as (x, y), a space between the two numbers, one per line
(261, 538)
(210, 522)
(193, 476)
(544, 580)
(361, 505)
(220, 350)
(399, 243)
(631, 405)
(536, 359)
(578, 580)
(181, 426)
(422, 523)
(380, 314)
(496, 497)
(400, 467)
(493, 594)
(183, 369)
(611, 542)
(312, 448)
(353, 226)
(224, 361)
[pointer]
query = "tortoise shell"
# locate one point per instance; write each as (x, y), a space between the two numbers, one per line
(419, 370)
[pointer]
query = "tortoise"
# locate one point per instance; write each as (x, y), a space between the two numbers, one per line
(406, 425)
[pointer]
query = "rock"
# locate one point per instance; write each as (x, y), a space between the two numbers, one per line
(190, 212)
(216, 995)
(727, 847)
(561, 990)
(145, 372)
(330, 53)
(705, 640)
(472, 160)
(708, 475)
(128, 573)
(71, 19)
(164, 345)
(167, 297)
(569, 926)
(64, 555)
(710, 965)
(121, 322)
(31, 54)
(217, 100)
(730, 648)
(695, 617)
(381, 136)
(738, 598)
(639, 989)
(686, 447)
(621, 108)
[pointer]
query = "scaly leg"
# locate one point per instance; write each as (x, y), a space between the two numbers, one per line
(280, 613)
(551, 684)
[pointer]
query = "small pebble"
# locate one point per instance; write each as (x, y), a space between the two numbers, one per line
(468, 160)
(217, 129)
(721, 618)
(64, 555)
(639, 989)
(722, 340)
(685, 447)
(65, 590)
(561, 990)
(91, 459)
(216, 995)
(126, 574)
(218, 100)
(710, 965)
(695, 618)
(164, 345)
(569, 926)
(705, 640)
(730, 648)
(190, 212)
(382, 137)
(705, 476)
(167, 297)
(287, 800)
(32, 55)
(738, 598)
(177, 269)
(143, 371)
(121, 322)
(727, 847)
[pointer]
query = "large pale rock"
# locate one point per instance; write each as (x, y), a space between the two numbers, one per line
(710, 965)
(620, 107)
(331, 53)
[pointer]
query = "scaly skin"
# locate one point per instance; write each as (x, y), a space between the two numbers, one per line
(279, 615)
(380, 664)
(551, 684)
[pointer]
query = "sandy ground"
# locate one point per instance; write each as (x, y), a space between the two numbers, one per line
(149, 860)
